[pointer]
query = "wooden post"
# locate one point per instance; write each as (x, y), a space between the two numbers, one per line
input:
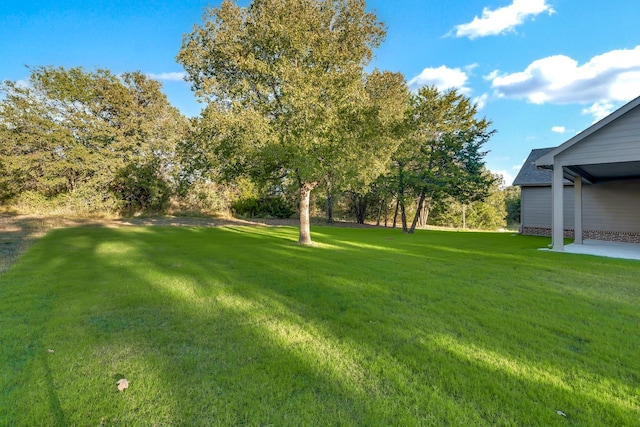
(577, 188)
(557, 227)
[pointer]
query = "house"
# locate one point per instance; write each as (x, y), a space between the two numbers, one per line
(588, 187)
(535, 204)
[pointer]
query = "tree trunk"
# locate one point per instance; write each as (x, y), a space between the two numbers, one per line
(329, 207)
(379, 214)
(395, 214)
(305, 224)
(418, 211)
(359, 207)
(401, 201)
(464, 217)
(403, 217)
(386, 214)
(424, 214)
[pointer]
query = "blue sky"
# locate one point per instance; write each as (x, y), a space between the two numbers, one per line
(541, 70)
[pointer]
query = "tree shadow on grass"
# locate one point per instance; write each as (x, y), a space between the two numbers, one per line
(214, 328)
(257, 376)
(512, 315)
(571, 323)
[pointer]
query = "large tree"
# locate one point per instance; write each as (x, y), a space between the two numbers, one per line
(284, 78)
(379, 126)
(441, 155)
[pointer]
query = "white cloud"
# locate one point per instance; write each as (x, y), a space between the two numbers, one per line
(469, 68)
(599, 110)
(501, 20)
(492, 75)
(481, 101)
(442, 78)
(605, 79)
(507, 177)
(172, 77)
(558, 129)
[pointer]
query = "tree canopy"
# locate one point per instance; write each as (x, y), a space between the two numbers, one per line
(441, 155)
(290, 107)
(288, 78)
(106, 140)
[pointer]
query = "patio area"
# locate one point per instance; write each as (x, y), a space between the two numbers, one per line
(608, 249)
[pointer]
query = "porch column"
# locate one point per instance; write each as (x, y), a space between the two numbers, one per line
(577, 211)
(557, 227)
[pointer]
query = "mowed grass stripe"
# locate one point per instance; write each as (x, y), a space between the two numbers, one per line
(240, 325)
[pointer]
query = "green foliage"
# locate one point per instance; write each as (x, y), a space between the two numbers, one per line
(266, 207)
(441, 155)
(486, 214)
(86, 201)
(360, 205)
(70, 132)
(289, 107)
(286, 90)
(33, 202)
(512, 202)
(207, 198)
(141, 188)
(241, 326)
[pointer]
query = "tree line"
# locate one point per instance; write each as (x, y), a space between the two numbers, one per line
(290, 112)
(88, 141)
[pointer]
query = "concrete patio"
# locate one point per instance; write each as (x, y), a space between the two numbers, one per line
(608, 249)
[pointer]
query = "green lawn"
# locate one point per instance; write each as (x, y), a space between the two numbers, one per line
(241, 326)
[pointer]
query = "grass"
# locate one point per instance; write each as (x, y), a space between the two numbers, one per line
(241, 326)
(16, 236)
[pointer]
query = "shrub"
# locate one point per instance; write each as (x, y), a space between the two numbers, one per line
(266, 207)
(140, 188)
(85, 201)
(206, 198)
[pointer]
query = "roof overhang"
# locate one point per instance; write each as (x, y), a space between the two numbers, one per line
(594, 172)
(600, 172)
(547, 159)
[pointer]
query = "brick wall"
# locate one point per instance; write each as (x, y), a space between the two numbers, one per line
(609, 236)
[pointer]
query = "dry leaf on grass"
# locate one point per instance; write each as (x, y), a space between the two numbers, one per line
(50, 351)
(122, 384)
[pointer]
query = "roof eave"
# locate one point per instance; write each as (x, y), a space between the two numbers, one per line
(547, 159)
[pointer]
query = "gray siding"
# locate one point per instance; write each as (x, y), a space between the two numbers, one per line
(619, 141)
(612, 206)
(536, 207)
